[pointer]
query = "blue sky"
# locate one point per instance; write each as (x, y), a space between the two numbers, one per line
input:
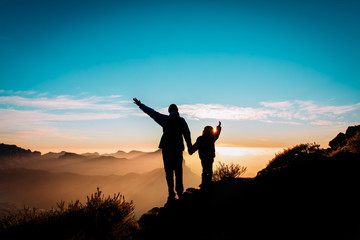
(277, 73)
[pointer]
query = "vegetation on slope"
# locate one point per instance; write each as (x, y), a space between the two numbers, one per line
(99, 218)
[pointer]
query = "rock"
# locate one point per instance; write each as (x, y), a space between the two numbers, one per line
(150, 218)
(338, 142)
(341, 139)
(352, 131)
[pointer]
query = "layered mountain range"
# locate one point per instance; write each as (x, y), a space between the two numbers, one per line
(40, 181)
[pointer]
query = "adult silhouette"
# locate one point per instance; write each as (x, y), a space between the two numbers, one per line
(175, 129)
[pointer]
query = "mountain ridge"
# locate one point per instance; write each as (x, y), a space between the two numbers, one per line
(12, 156)
(12, 152)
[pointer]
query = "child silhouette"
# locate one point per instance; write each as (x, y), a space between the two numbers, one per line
(206, 146)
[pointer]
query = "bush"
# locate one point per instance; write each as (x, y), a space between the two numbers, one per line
(291, 155)
(228, 171)
(100, 218)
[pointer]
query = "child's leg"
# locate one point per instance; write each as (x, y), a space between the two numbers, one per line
(207, 171)
(211, 170)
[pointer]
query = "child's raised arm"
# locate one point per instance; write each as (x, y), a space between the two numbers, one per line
(218, 130)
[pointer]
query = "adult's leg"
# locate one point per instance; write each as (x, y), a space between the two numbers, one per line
(178, 163)
(169, 172)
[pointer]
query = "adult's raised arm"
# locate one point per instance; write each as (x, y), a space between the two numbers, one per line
(158, 117)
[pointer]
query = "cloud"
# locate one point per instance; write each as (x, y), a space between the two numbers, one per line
(278, 105)
(65, 102)
(16, 109)
(33, 131)
(222, 112)
(326, 123)
(30, 115)
(31, 107)
(310, 108)
(295, 112)
(13, 116)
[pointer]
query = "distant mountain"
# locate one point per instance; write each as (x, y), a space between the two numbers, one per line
(140, 162)
(40, 181)
(129, 155)
(118, 163)
(11, 155)
(91, 155)
(51, 155)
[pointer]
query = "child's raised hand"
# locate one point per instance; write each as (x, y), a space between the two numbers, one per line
(218, 128)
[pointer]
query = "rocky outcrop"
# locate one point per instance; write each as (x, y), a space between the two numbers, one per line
(342, 139)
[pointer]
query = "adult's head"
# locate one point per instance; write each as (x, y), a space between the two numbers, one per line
(173, 108)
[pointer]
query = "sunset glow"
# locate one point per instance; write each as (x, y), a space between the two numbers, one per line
(191, 119)
(69, 84)
(240, 151)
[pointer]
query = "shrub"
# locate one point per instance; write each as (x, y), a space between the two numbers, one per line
(228, 171)
(289, 156)
(99, 218)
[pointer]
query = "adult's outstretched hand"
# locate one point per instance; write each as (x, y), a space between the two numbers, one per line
(136, 101)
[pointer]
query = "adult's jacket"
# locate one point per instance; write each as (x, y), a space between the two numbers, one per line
(174, 129)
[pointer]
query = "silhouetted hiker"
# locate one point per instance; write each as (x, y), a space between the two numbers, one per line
(172, 144)
(206, 146)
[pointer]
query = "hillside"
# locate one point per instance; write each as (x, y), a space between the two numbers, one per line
(304, 193)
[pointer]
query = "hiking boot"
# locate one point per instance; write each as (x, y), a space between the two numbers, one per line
(180, 196)
(170, 200)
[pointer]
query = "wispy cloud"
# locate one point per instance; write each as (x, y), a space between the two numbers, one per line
(314, 110)
(61, 108)
(33, 115)
(36, 107)
(295, 112)
(222, 112)
(13, 116)
(65, 102)
(43, 132)
(327, 123)
(284, 105)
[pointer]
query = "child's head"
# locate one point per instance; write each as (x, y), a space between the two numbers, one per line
(208, 131)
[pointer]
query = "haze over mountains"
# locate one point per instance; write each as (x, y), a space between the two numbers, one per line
(119, 163)
(29, 178)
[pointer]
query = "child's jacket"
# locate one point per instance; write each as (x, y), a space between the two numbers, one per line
(206, 145)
